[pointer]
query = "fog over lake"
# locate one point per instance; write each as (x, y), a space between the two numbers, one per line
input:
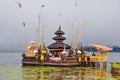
(99, 21)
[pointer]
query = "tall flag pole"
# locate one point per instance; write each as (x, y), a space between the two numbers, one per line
(43, 26)
(38, 30)
(76, 4)
(25, 34)
(75, 25)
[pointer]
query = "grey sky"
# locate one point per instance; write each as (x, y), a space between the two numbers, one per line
(102, 17)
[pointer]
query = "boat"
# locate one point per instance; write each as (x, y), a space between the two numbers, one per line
(60, 54)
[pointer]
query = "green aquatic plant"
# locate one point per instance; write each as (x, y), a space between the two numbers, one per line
(53, 73)
(117, 65)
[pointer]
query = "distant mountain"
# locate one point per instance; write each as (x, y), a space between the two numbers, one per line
(87, 48)
(115, 49)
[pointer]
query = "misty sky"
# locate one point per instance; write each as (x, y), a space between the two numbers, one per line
(102, 18)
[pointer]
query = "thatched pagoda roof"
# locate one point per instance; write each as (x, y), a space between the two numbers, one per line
(59, 31)
(58, 46)
(59, 38)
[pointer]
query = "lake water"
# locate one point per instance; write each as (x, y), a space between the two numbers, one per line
(12, 69)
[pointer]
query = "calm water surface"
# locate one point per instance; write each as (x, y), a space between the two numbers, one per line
(11, 69)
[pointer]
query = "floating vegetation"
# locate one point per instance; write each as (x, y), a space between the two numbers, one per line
(53, 73)
(116, 65)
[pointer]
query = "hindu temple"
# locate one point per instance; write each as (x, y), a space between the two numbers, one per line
(59, 45)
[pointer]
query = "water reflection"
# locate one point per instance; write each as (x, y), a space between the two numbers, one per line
(58, 73)
(10, 69)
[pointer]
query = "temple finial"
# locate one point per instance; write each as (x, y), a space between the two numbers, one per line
(60, 27)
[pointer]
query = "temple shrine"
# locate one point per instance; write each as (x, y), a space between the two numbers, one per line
(59, 45)
(62, 56)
